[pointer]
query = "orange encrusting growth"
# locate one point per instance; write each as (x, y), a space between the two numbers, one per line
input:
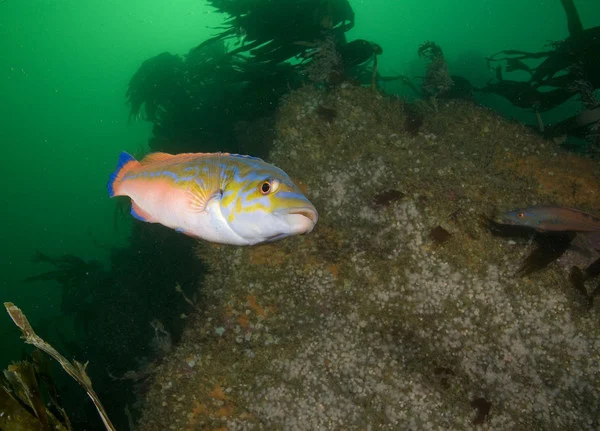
(256, 307)
(569, 180)
(218, 406)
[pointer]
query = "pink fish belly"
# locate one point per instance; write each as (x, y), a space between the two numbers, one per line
(160, 201)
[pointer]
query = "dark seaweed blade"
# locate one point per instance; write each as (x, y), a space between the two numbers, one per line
(157, 82)
(272, 30)
(57, 275)
(550, 246)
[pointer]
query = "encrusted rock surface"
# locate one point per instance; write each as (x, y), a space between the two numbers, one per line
(371, 322)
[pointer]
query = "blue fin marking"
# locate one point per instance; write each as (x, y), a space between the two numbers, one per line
(124, 158)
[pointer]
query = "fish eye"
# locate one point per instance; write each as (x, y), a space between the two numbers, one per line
(268, 186)
(265, 187)
(521, 215)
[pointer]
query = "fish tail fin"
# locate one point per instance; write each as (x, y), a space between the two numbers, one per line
(125, 164)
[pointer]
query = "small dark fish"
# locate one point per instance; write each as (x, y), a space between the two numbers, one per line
(326, 113)
(385, 198)
(482, 410)
(552, 219)
(439, 235)
(443, 374)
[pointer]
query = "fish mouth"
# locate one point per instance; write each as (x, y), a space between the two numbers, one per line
(309, 213)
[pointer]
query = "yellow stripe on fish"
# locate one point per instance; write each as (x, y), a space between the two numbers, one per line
(219, 197)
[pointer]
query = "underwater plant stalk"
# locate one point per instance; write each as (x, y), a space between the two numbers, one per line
(74, 369)
(574, 22)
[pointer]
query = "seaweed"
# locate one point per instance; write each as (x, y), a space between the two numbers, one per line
(273, 32)
(569, 68)
(437, 80)
(80, 281)
(23, 378)
(265, 50)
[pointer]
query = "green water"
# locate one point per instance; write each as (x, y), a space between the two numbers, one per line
(64, 70)
(63, 121)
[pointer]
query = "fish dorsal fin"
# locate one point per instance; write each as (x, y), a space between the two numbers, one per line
(182, 157)
(156, 157)
(243, 156)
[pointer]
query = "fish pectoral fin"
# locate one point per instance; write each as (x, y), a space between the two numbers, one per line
(140, 214)
(200, 198)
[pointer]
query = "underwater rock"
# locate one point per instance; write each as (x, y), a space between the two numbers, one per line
(348, 328)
